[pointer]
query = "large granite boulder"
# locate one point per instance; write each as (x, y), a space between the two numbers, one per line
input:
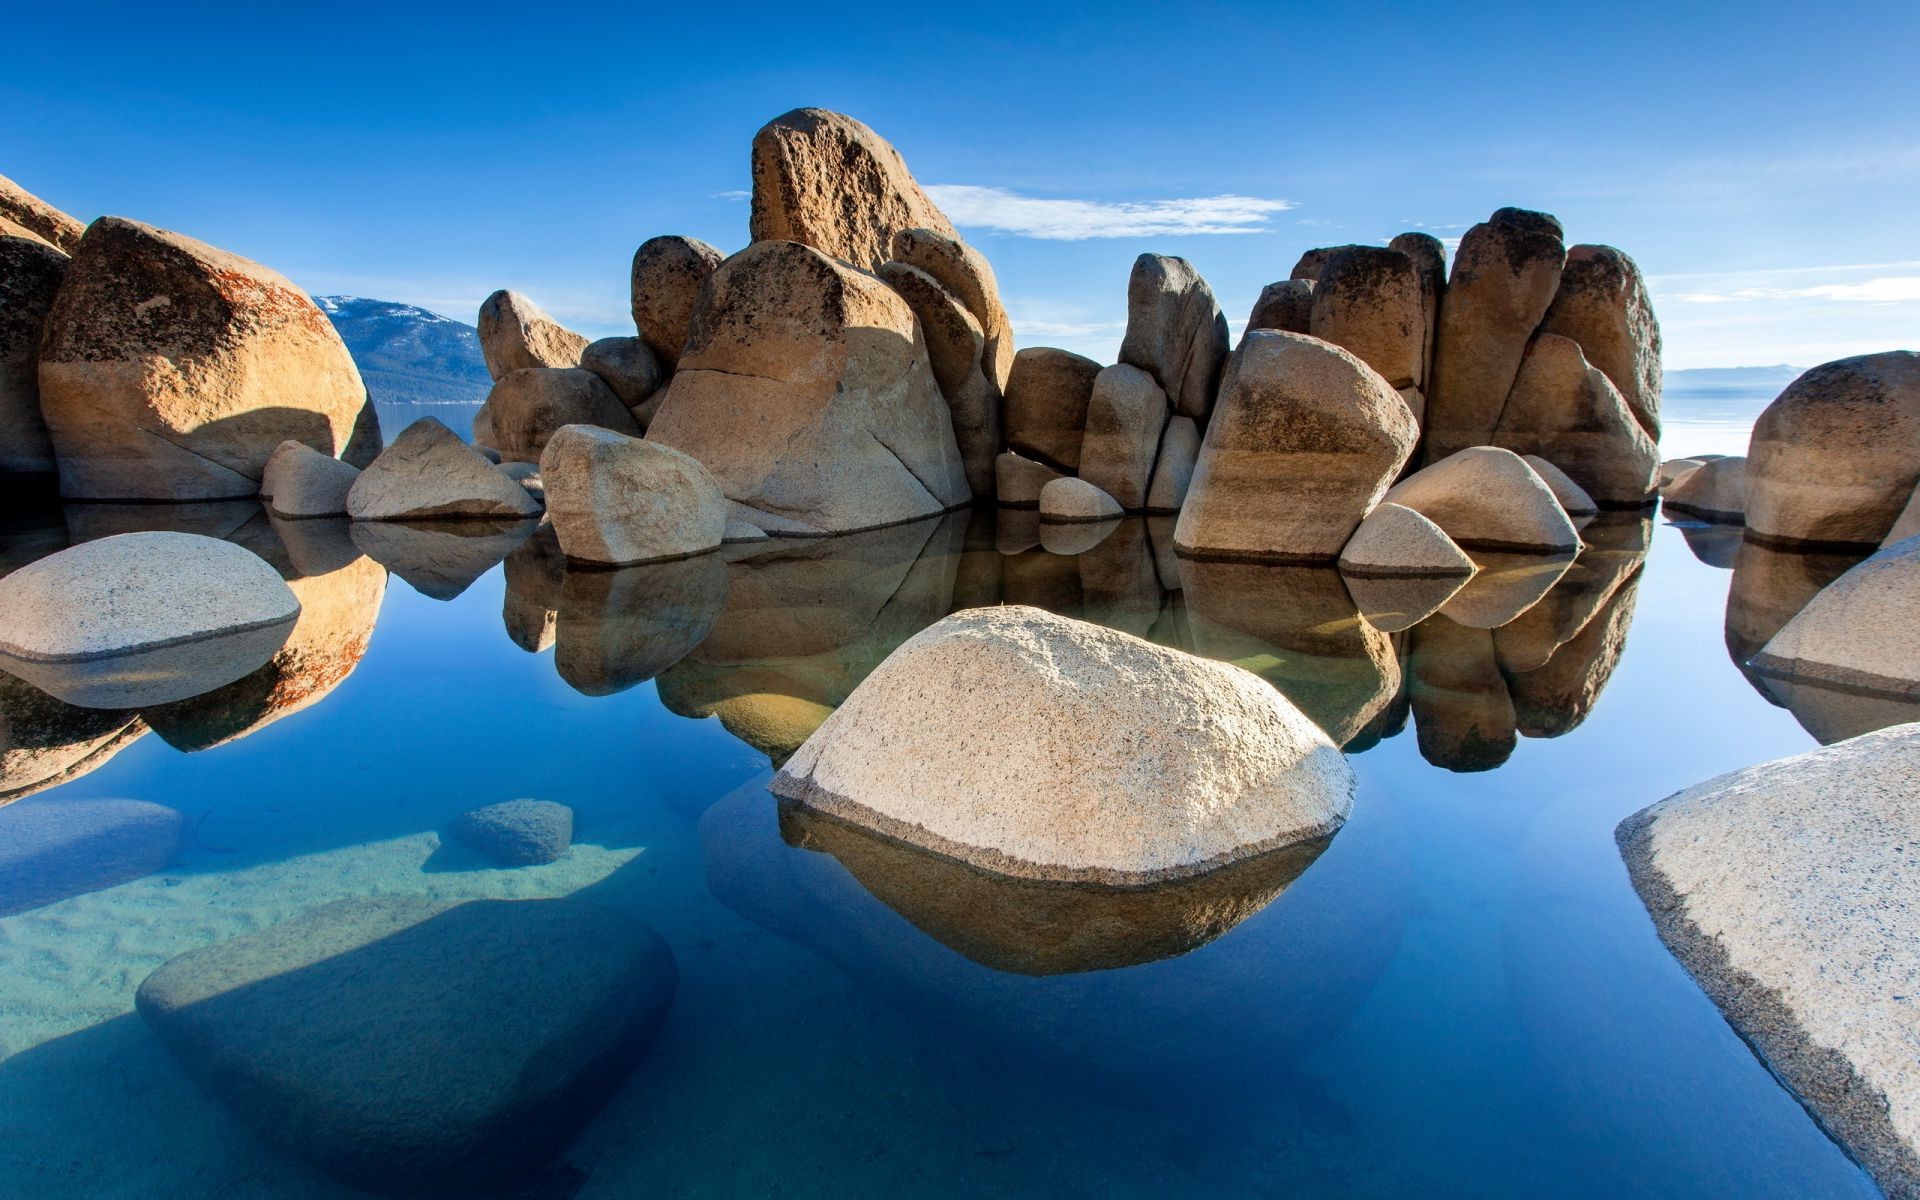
(1175, 332)
(618, 500)
(413, 1045)
(1395, 540)
(527, 405)
(806, 390)
(1125, 416)
(1430, 260)
(1858, 634)
(1716, 490)
(1018, 480)
(1906, 524)
(1487, 498)
(1046, 405)
(142, 618)
(630, 370)
(1306, 438)
(1075, 501)
(516, 333)
(1286, 306)
(30, 274)
(1312, 262)
(827, 181)
(956, 345)
(23, 214)
(668, 273)
(1835, 457)
(1572, 497)
(1033, 745)
(1504, 277)
(1368, 301)
(427, 473)
(1602, 304)
(1568, 412)
(1788, 890)
(170, 370)
(300, 482)
(54, 849)
(965, 273)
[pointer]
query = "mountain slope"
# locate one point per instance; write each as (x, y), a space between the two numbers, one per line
(408, 355)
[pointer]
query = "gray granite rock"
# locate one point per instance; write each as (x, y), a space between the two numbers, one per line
(1071, 500)
(53, 849)
(1046, 405)
(1397, 541)
(518, 833)
(1716, 491)
(619, 500)
(629, 369)
(526, 407)
(1489, 499)
(1018, 480)
(1125, 416)
(300, 482)
(1175, 332)
(1861, 633)
(427, 473)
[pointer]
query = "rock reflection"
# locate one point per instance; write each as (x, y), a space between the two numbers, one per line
(618, 628)
(1119, 587)
(1714, 545)
(440, 559)
(1554, 699)
(1395, 603)
(1616, 545)
(1506, 586)
(1833, 714)
(1770, 586)
(536, 574)
(1076, 537)
(1462, 713)
(46, 742)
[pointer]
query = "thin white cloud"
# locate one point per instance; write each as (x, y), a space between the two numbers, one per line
(1004, 211)
(733, 194)
(1793, 314)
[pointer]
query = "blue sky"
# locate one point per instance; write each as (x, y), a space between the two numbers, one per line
(1762, 168)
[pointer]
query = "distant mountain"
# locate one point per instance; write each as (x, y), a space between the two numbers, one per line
(408, 355)
(1725, 379)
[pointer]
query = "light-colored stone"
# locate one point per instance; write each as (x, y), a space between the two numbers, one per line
(619, 500)
(1046, 405)
(1861, 633)
(302, 482)
(668, 273)
(1368, 301)
(1713, 491)
(1835, 457)
(516, 333)
(965, 272)
(1071, 500)
(739, 531)
(1602, 304)
(1906, 525)
(1305, 440)
(527, 475)
(1396, 540)
(1175, 332)
(30, 274)
(169, 370)
(1286, 306)
(1430, 260)
(1789, 891)
(527, 405)
(142, 618)
(627, 367)
(1505, 274)
(1487, 498)
(428, 472)
(1674, 468)
(825, 180)
(1568, 412)
(1032, 745)
(1173, 470)
(806, 391)
(1019, 480)
(1125, 416)
(34, 216)
(1572, 497)
(955, 349)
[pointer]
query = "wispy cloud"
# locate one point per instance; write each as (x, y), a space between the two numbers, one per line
(733, 194)
(1793, 314)
(1075, 220)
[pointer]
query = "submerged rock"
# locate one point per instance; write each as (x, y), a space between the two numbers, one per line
(1857, 634)
(1713, 491)
(516, 333)
(518, 833)
(51, 850)
(1789, 890)
(1046, 405)
(1489, 499)
(1130, 762)
(1396, 540)
(667, 276)
(301, 482)
(406, 1044)
(30, 275)
(1175, 332)
(428, 473)
(142, 618)
(619, 500)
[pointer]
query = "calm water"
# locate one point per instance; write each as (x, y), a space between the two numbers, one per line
(1460, 996)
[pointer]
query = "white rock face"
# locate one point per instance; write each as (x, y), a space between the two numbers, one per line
(427, 473)
(1489, 499)
(1861, 633)
(1074, 500)
(1037, 746)
(1395, 540)
(302, 482)
(1790, 891)
(142, 618)
(619, 500)
(1716, 490)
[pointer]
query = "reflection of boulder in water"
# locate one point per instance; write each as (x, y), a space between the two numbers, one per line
(535, 573)
(1035, 927)
(976, 579)
(440, 559)
(45, 742)
(1554, 699)
(1462, 713)
(223, 519)
(620, 627)
(1616, 546)
(1039, 579)
(1832, 713)
(1506, 586)
(1715, 545)
(1201, 1028)
(1770, 586)
(1076, 537)
(1118, 585)
(316, 545)
(51, 849)
(806, 620)
(1395, 603)
(1295, 626)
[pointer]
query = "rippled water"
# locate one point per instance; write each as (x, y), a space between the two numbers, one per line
(1458, 995)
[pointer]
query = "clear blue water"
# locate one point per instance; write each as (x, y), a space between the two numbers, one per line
(1460, 996)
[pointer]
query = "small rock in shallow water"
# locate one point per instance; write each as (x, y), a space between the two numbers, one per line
(1487, 498)
(428, 473)
(1716, 491)
(518, 833)
(1395, 540)
(51, 849)
(301, 482)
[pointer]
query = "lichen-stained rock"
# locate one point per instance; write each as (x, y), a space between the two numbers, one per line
(1130, 762)
(1568, 412)
(299, 482)
(617, 500)
(1859, 633)
(1368, 301)
(1073, 501)
(45, 742)
(825, 180)
(169, 370)
(1125, 416)
(428, 473)
(1430, 260)
(1715, 490)
(1046, 405)
(1173, 469)
(30, 215)
(1396, 540)
(1504, 277)
(965, 272)
(1602, 304)
(30, 274)
(1835, 457)
(1788, 891)
(1490, 499)
(627, 367)
(668, 273)
(1572, 497)
(807, 392)
(1018, 480)
(955, 346)
(1463, 716)
(1305, 440)
(1286, 306)
(526, 407)
(1175, 332)
(1311, 263)
(516, 333)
